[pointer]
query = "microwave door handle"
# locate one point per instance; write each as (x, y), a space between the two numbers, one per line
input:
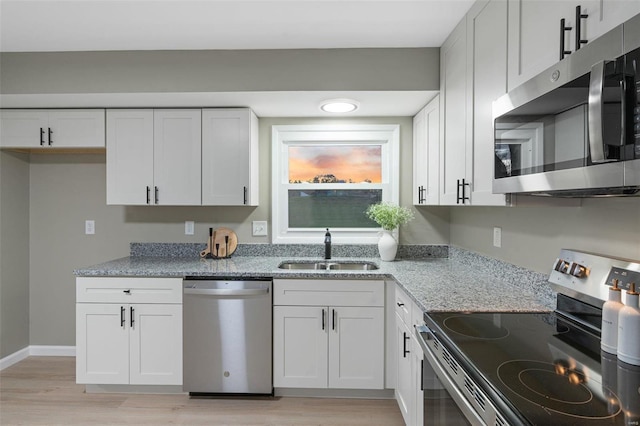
(596, 113)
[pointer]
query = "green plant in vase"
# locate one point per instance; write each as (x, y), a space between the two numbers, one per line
(389, 216)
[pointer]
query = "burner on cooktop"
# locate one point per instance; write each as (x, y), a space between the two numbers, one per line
(478, 328)
(532, 322)
(556, 388)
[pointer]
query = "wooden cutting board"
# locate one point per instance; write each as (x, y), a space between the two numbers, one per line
(225, 249)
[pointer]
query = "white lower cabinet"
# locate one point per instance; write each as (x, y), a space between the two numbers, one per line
(129, 343)
(409, 393)
(405, 394)
(328, 346)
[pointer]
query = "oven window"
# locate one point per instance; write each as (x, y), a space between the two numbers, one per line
(439, 408)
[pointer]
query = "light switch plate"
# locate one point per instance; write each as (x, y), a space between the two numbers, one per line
(259, 228)
(89, 227)
(189, 227)
(497, 237)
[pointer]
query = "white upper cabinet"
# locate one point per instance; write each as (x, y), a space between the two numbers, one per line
(153, 157)
(607, 14)
(473, 74)
(68, 128)
(176, 156)
(487, 80)
(426, 154)
(455, 148)
(534, 30)
(229, 157)
(129, 156)
(534, 36)
(182, 157)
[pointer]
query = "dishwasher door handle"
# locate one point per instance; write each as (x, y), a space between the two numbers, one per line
(226, 291)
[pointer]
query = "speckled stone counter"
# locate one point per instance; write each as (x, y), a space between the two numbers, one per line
(464, 281)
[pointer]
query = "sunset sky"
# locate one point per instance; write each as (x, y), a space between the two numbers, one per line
(345, 162)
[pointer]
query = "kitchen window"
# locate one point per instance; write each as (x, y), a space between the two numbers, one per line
(325, 176)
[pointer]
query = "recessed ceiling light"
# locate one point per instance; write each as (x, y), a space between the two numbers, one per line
(339, 105)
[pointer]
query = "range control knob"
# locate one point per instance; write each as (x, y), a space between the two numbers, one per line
(562, 266)
(578, 271)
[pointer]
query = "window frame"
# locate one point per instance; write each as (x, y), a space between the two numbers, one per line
(385, 135)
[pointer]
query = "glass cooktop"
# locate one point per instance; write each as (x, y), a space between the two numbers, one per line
(541, 369)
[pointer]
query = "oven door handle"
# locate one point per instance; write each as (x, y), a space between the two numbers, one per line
(455, 393)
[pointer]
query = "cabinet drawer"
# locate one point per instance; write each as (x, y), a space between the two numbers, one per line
(403, 305)
(328, 292)
(128, 290)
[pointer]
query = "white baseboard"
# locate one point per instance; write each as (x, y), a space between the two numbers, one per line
(39, 350)
(36, 350)
(14, 358)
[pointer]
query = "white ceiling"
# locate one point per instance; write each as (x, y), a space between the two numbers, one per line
(81, 25)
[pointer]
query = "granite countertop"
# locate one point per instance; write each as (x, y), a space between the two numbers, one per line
(465, 282)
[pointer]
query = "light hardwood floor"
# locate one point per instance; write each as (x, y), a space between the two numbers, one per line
(42, 391)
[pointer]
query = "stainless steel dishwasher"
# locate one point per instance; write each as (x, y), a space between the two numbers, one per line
(227, 339)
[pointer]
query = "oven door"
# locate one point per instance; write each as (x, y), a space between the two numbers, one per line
(444, 403)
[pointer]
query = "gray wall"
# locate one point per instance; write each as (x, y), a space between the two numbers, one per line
(14, 252)
(66, 190)
(533, 236)
(220, 71)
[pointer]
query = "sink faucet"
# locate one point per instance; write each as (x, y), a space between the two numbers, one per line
(327, 245)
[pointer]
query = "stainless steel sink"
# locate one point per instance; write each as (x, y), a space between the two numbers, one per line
(359, 266)
(332, 266)
(302, 265)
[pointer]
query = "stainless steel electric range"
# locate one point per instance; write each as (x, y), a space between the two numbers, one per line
(533, 368)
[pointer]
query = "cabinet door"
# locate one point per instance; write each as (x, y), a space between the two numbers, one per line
(156, 344)
(176, 153)
(76, 129)
(417, 360)
(356, 347)
(300, 346)
(605, 15)
(426, 154)
(130, 156)
(487, 58)
(102, 343)
(534, 34)
(23, 128)
(453, 102)
(405, 392)
(229, 157)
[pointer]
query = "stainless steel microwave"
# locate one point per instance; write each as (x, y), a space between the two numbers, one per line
(574, 130)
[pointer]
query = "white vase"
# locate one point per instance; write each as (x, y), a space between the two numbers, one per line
(387, 246)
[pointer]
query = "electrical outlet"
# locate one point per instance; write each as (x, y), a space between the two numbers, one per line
(497, 237)
(259, 228)
(89, 227)
(189, 227)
